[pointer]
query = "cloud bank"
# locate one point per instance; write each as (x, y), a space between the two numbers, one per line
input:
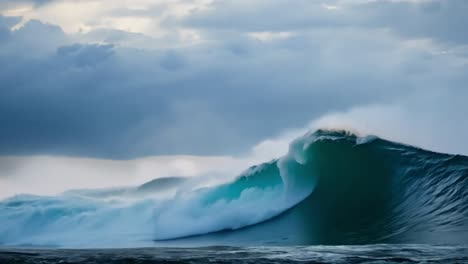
(218, 77)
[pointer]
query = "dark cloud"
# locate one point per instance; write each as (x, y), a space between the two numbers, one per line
(440, 20)
(217, 97)
(9, 21)
(84, 55)
(32, 39)
(6, 23)
(172, 61)
(263, 16)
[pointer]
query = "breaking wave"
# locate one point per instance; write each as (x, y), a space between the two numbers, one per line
(332, 187)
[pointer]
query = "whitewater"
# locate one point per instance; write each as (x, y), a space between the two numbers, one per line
(331, 188)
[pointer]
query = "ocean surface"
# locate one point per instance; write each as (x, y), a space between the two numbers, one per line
(388, 202)
(310, 254)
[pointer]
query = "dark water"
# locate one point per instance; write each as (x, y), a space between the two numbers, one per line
(311, 254)
(364, 191)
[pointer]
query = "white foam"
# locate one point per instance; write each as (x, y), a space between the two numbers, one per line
(119, 218)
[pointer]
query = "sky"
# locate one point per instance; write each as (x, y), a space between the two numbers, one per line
(88, 82)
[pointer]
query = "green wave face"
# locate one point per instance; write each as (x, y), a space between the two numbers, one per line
(353, 190)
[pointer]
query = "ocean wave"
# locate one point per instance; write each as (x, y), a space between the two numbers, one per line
(332, 187)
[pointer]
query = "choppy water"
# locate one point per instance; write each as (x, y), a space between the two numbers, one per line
(310, 254)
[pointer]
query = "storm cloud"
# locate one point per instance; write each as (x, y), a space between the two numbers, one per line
(439, 20)
(250, 75)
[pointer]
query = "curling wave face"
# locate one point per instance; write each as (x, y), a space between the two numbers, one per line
(332, 187)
